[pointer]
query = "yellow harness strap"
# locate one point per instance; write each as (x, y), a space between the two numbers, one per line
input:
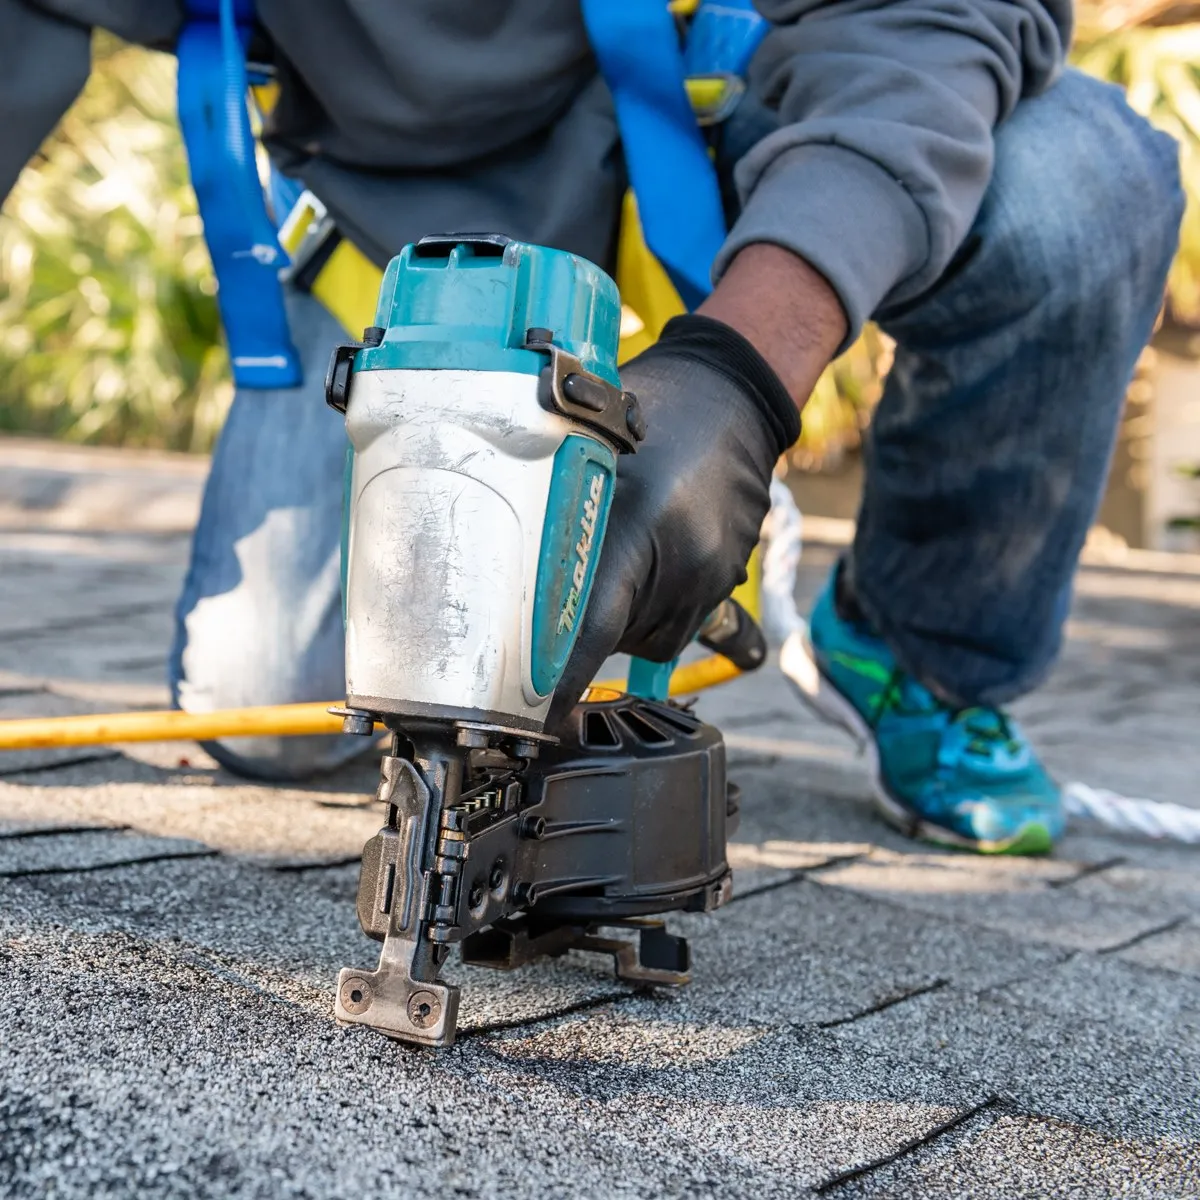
(348, 284)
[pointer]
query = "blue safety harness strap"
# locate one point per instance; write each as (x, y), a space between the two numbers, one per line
(637, 46)
(722, 37)
(245, 251)
(679, 201)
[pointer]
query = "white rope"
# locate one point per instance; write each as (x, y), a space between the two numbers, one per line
(1150, 818)
(782, 536)
(783, 624)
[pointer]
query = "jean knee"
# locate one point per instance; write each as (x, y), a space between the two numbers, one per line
(1086, 199)
(215, 682)
(250, 647)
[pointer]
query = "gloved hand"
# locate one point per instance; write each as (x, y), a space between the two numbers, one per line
(688, 505)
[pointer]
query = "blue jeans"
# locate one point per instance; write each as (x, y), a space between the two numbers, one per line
(985, 462)
(259, 620)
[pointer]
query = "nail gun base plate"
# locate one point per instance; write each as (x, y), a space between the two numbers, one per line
(516, 858)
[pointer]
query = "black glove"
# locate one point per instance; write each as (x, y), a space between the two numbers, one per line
(688, 506)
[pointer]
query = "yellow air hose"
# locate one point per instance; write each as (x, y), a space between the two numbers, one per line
(102, 729)
(277, 720)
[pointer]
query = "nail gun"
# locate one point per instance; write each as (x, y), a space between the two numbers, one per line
(485, 417)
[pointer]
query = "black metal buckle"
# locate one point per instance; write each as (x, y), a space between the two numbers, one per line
(573, 391)
(341, 368)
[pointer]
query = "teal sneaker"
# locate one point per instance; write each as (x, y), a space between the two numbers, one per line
(965, 778)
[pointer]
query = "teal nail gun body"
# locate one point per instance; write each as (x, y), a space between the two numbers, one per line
(485, 416)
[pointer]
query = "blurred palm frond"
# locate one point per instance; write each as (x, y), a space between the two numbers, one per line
(1152, 49)
(108, 323)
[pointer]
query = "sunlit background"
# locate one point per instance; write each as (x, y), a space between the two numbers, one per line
(109, 331)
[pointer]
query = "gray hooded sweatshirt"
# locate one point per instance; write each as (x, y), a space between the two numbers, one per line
(408, 117)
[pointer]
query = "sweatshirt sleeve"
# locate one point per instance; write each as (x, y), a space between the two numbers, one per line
(45, 59)
(884, 150)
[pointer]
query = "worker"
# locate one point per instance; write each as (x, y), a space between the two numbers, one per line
(928, 164)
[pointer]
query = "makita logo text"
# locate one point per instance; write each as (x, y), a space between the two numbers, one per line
(583, 554)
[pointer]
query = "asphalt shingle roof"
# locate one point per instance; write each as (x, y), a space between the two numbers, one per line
(868, 1018)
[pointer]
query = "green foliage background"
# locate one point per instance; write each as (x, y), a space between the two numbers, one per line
(109, 330)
